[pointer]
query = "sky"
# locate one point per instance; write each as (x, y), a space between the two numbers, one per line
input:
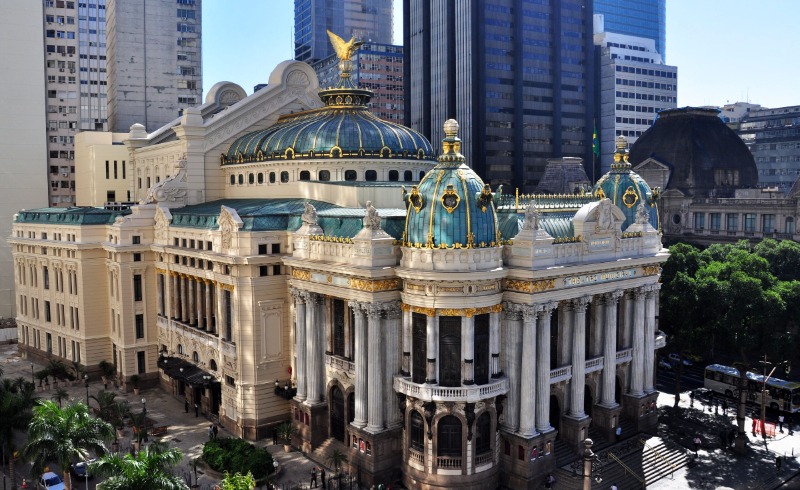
(725, 50)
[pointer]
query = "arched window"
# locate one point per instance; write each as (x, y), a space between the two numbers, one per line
(350, 175)
(272, 177)
(260, 177)
(305, 175)
(408, 175)
(284, 177)
(421, 174)
(251, 179)
(483, 434)
(195, 356)
(180, 349)
(370, 176)
(233, 179)
(394, 175)
(416, 438)
(212, 365)
(324, 175)
(241, 179)
(449, 351)
(448, 438)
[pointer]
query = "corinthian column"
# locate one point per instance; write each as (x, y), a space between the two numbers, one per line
(468, 349)
(360, 358)
(432, 348)
(375, 358)
(313, 348)
(300, 342)
(513, 319)
(649, 336)
(406, 342)
(610, 349)
(637, 364)
(184, 299)
(392, 339)
(208, 305)
(199, 301)
(543, 368)
(494, 343)
(527, 419)
(577, 389)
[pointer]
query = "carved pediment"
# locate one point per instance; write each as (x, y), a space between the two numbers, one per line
(229, 223)
(650, 164)
(171, 191)
(163, 219)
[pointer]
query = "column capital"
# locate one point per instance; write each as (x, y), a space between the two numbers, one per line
(512, 311)
(374, 310)
(297, 294)
(652, 289)
(529, 312)
(393, 310)
(579, 304)
(640, 293)
(358, 307)
(313, 298)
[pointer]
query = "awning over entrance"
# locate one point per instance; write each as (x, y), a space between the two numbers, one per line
(185, 371)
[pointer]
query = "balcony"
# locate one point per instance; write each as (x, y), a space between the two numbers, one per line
(438, 393)
(416, 459)
(624, 356)
(593, 365)
(340, 364)
(560, 374)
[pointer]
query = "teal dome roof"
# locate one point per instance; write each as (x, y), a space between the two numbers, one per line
(343, 128)
(451, 207)
(626, 188)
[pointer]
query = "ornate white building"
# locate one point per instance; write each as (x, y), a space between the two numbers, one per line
(442, 332)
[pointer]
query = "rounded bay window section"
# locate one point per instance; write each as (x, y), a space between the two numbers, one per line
(449, 442)
(483, 439)
(416, 432)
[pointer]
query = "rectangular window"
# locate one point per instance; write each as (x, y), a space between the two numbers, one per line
(137, 287)
(262, 249)
(46, 277)
(230, 381)
(750, 222)
(46, 311)
(139, 326)
(768, 223)
(263, 270)
(732, 223)
(276, 248)
(137, 257)
(716, 219)
(699, 220)
(140, 364)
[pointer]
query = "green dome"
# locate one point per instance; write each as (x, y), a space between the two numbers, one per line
(343, 128)
(626, 188)
(451, 206)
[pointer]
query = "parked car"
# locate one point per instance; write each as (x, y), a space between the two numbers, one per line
(50, 481)
(664, 364)
(675, 359)
(81, 469)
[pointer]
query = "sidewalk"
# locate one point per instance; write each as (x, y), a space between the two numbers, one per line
(185, 431)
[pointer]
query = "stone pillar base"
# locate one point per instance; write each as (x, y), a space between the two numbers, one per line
(642, 411)
(376, 457)
(574, 431)
(523, 467)
(607, 419)
(311, 422)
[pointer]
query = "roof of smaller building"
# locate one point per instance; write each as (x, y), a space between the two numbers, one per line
(564, 176)
(70, 216)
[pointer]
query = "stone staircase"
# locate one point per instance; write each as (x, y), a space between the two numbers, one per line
(566, 455)
(657, 460)
(321, 454)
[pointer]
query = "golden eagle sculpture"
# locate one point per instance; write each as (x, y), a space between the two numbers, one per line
(344, 50)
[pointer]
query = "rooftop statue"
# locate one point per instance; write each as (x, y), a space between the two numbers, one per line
(344, 50)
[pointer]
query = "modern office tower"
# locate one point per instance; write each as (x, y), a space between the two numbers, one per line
(154, 67)
(773, 137)
(22, 128)
(366, 20)
(733, 113)
(520, 76)
(634, 86)
(377, 67)
(640, 18)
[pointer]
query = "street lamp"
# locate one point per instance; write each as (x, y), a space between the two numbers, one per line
(144, 406)
(32, 380)
(86, 384)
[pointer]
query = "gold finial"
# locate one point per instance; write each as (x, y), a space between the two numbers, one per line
(621, 142)
(451, 144)
(450, 128)
(344, 50)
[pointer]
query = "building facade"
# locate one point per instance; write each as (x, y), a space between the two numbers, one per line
(22, 129)
(640, 18)
(635, 85)
(519, 76)
(773, 137)
(393, 304)
(365, 20)
(379, 68)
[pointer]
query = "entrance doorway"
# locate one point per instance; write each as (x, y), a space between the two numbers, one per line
(337, 413)
(588, 402)
(555, 415)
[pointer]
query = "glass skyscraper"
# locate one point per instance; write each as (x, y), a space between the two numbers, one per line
(517, 74)
(641, 18)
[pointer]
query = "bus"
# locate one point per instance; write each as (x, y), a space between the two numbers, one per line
(780, 395)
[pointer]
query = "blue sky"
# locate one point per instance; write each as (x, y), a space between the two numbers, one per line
(725, 50)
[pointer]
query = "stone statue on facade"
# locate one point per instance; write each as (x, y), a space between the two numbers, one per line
(309, 216)
(532, 217)
(605, 219)
(372, 220)
(642, 214)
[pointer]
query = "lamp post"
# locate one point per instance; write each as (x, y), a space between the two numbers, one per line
(32, 380)
(86, 384)
(144, 406)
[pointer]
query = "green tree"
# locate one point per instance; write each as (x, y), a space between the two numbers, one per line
(16, 400)
(783, 258)
(238, 481)
(149, 468)
(62, 435)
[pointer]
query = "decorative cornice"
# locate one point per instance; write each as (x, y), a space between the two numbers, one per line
(651, 270)
(530, 286)
(466, 312)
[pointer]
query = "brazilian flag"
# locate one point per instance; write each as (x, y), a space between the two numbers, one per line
(595, 143)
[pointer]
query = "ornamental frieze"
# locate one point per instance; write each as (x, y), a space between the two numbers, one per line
(467, 312)
(371, 285)
(651, 270)
(530, 286)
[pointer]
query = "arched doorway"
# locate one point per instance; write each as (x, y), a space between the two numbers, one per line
(337, 413)
(588, 401)
(555, 415)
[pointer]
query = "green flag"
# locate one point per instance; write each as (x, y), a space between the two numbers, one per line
(595, 143)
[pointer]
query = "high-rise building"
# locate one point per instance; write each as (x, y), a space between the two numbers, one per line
(366, 20)
(520, 76)
(154, 62)
(22, 129)
(142, 68)
(376, 67)
(641, 18)
(634, 86)
(773, 137)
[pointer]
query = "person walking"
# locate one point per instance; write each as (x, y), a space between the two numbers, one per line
(274, 437)
(186, 406)
(614, 487)
(696, 444)
(196, 410)
(618, 433)
(778, 462)
(754, 426)
(780, 423)
(313, 477)
(210, 432)
(322, 476)
(216, 431)
(550, 481)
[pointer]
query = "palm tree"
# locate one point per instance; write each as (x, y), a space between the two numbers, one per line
(15, 414)
(106, 405)
(238, 481)
(59, 395)
(62, 435)
(336, 459)
(149, 468)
